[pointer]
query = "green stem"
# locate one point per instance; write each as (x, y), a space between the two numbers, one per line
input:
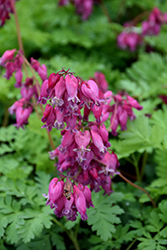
(59, 224)
(135, 163)
(136, 186)
(105, 11)
(18, 33)
(76, 229)
(129, 247)
(70, 234)
(144, 160)
(74, 240)
(6, 116)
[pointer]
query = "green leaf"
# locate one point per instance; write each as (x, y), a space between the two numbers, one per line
(162, 206)
(3, 224)
(104, 216)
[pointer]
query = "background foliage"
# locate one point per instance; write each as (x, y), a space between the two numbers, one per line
(57, 37)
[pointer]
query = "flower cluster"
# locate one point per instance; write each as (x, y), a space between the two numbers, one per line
(84, 8)
(131, 36)
(121, 110)
(68, 198)
(152, 26)
(14, 63)
(129, 39)
(83, 153)
(5, 10)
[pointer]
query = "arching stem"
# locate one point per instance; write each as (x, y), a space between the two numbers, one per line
(136, 186)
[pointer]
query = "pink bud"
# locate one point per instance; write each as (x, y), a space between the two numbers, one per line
(7, 55)
(35, 64)
(134, 103)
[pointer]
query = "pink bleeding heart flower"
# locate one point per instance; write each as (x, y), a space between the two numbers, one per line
(42, 71)
(52, 81)
(10, 68)
(35, 64)
(44, 94)
(18, 76)
(27, 93)
(90, 90)
(16, 104)
(72, 87)
(88, 197)
(80, 202)
(134, 103)
(97, 141)
(22, 115)
(82, 139)
(55, 191)
(49, 117)
(101, 81)
(58, 92)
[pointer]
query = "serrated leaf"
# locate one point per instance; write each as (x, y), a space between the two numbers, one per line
(32, 228)
(104, 216)
(163, 232)
(3, 224)
(58, 241)
(162, 206)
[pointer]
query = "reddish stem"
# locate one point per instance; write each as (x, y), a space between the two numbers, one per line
(136, 186)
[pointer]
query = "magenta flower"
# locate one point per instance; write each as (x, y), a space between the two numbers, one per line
(15, 105)
(5, 9)
(88, 197)
(80, 202)
(35, 64)
(90, 90)
(52, 80)
(7, 55)
(42, 71)
(82, 139)
(55, 191)
(72, 87)
(22, 115)
(57, 92)
(43, 94)
(49, 117)
(97, 141)
(18, 76)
